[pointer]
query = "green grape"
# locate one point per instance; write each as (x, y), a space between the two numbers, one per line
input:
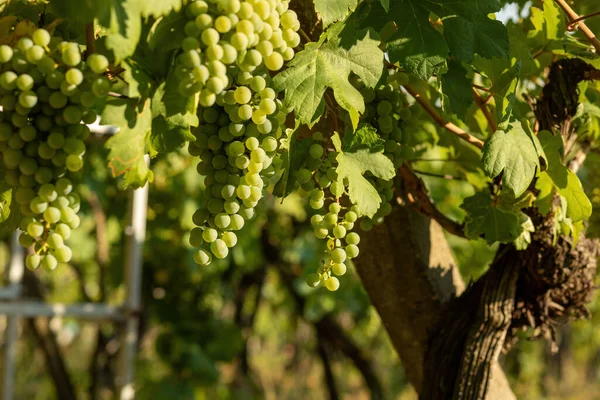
(52, 215)
(303, 176)
(209, 235)
(71, 55)
(338, 255)
(242, 95)
(55, 241)
(101, 87)
(313, 280)
(339, 231)
(339, 269)
(230, 239)
(28, 99)
(49, 262)
(41, 37)
(35, 54)
(202, 257)
(274, 61)
(321, 233)
(352, 251)
(6, 53)
(63, 254)
(33, 261)
(74, 76)
(332, 284)
(64, 231)
(219, 249)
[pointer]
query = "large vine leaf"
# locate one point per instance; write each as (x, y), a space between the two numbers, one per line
(514, 154)
(157, 8)
(351, 167)
(123, 26)
(415, 44)
(334, 10)
(10, 213)
(485, 218)
(128, 146)
(328, 64)
(468, 29)
(422, 49)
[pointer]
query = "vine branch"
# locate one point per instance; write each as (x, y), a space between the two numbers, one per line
(573, 17)
(415, 194)
(461, 133)
(481, 103)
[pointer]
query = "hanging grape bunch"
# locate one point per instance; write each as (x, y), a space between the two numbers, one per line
(318, 181)
(47, 91)
(231, 48)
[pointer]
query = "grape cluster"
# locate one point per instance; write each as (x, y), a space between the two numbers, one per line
(241, 117)
(385, 110)
(244, 35)
(333, 222)
(46, 92)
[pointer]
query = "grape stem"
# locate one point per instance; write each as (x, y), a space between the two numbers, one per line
(481, 103)
(90, 39)
(461, 133)
(573, 16)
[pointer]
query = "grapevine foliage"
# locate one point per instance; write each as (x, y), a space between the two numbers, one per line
(270, 107)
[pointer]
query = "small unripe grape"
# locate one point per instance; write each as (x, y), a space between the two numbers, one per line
(49, 262)
(352, 251)
(332, 284)
(338, 255)
(313, 280)
(33, 261)
(202, 257)
(339, 269)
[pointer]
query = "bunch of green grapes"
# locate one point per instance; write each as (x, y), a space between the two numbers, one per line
(334, 219)
(231, 48)
(237, 142)
(385, 110)
(224, 36)
(46, 92)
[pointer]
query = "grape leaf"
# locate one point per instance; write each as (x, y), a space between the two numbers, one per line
(172, 116)
(468, 29)
(563, 180)
(527, 228)
(168, 32)
(351, 167)
(416, 45)
(123, 27)
(386, 5)
(365, 136)
(325, 65)
(128, 146)
(485, 218)
(457, 87)
(514, 154)
(293, 160)
(334, 10)
(157, 8)
(504, 76)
